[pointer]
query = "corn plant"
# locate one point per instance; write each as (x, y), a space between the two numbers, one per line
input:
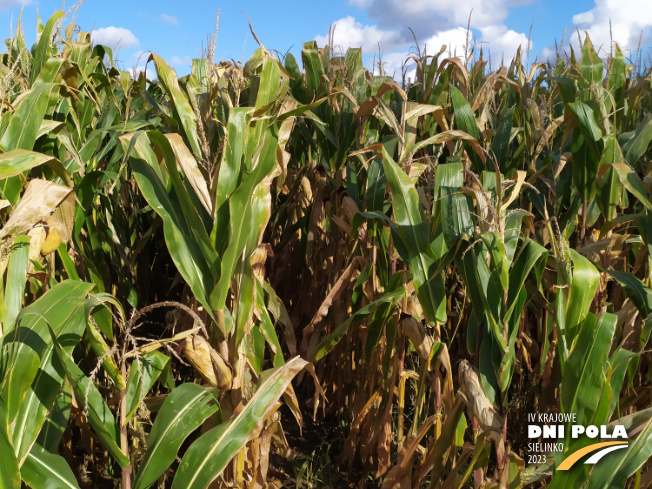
(441, 258)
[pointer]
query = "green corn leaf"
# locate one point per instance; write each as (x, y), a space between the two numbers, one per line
(609, 185)
(183, 111)
(617, 369)
(376, 184)
(9, 472)
(210, 453)
(43, 49)
(531, 256)
(184, 250)
(39, 399)
(18, 161)
(617, 73)
(99, 415)
(376, 328)
(145, 370)
(636, 144)
(586, 279)
(52, 431)
(586, 149)
(24, 345)
(248, 210)
(484, 292)
(313, 69)
(635, 290)
(191, 208)
(591, 66)
(16, 277)
(442, 137)
(183, 411)
(454, 207)
(191, 170)
(465, 121)
(230, 169)
(584, 372)
(43, 470)
(414, 231)
(25, 122)
(499, 265)
(633, 183)
(267, 329)
(245, 306)
(47, 385)
(500, 142)
(618, 467)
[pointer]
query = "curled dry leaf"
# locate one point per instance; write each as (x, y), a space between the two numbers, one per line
(413, 306)
(187, 162)
(258, 259)
(398, 477)
(336, 291)
(45, 213)
(208, 363)
(421, 340)
(348, 209)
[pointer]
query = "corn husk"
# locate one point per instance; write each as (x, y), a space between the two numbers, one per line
(207, 362)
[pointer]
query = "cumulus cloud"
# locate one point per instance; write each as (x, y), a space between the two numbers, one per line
(624, 21)
(427, 17)
(169, 19)
(504, 42)
(349, 33)
(453, 39)
(114, 37)
(547, 55)
(397, 23)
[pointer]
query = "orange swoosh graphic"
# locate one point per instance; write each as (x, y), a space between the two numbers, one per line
(569, 461)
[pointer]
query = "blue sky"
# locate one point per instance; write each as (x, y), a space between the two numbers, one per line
(178, 30)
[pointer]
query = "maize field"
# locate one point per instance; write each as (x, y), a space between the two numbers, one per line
(199, 272)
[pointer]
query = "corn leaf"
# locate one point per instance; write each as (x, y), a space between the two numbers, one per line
(99, 415)
(209, 455)
(143, 373)
(183, 411)
(584, 374)
(45, 470)
(414, 231)
(619, 466)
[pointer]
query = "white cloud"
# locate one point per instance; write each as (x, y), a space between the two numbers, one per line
(350, 33)
(547, 55)
(624, 21)
(453, 39)
(504, 43)
(179, 61)
(169, 19)
(427, 17)
(114, 37)
(398, 25)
